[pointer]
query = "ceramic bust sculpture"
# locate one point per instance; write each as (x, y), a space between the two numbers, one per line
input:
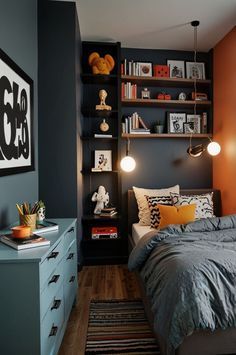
(102, 199)
(102, 97)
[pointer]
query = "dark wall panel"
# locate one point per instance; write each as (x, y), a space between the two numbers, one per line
(18, 38)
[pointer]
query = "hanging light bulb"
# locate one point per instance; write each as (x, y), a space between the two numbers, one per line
(213, 148)
(127, 163)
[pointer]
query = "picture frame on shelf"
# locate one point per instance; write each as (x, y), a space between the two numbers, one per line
(177, 68)
(102, 160)
(145, 68)
(16, 125)
(175, 122)
(195, 70)
(196, 121)
(188, 127)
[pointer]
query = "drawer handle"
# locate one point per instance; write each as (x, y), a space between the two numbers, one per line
(53, 255)
(71, 230)
(53, 331)
(72, 279)
(70, 256)
(56, 304)
(55, 278)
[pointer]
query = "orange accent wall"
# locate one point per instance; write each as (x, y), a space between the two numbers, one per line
(224, 165)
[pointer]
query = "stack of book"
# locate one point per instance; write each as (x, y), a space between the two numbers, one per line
(33, 241)
(108, 212)
(134, 124)
(128, 91)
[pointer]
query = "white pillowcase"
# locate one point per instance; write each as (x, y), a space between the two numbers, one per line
(204, 203)
(141, 193)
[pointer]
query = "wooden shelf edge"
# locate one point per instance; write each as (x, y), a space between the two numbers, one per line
(165, 80)
(166, 135)
(150, 102)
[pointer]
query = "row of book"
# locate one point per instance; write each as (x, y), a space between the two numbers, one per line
(134, 124)
(131, 68)
(128, 91)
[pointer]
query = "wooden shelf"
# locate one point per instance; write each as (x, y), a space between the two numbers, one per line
(166, 135)
(164, 103)
(165, 82)
(99, 78)
(93, 217)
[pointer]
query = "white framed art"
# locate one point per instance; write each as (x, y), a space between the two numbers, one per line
(102, 160)
(175, 122)
(195, 70)
(177, 68)
(196, 121)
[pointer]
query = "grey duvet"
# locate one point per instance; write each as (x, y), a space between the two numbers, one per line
(190, 276)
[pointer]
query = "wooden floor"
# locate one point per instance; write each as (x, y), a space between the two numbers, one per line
(101, 283)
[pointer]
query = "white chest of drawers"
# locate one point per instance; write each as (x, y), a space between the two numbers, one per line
(37, 289)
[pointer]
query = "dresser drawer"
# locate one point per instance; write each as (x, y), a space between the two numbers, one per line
(52, 285)
(70, 277)
(69, 236)
(52, 324)
(50, 263)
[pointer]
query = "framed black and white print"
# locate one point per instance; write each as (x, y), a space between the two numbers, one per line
(195, 120)
(175, 122)
(16, 118)
(177, 68)
(195, 70)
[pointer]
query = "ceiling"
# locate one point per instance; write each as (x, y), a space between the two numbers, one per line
(162, 24)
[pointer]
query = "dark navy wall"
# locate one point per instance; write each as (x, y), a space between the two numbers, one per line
(18, 38)
(164, 162)
(59, 108)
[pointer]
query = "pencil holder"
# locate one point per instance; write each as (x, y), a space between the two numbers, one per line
(28, 220)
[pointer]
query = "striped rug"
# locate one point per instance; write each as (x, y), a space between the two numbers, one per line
(119, 327)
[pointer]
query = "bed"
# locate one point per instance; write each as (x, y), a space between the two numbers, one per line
(200, 342)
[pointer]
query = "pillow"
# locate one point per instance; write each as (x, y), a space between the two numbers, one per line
(176, 214)
(153, 201)
(140, 193)
(204, 203)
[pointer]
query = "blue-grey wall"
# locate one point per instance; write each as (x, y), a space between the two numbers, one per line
(18, 38)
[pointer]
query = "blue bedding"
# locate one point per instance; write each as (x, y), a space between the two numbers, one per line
(190, 276)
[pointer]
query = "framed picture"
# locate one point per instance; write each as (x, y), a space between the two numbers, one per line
(145, 69)
(175, 122)
(16, 118)
(103, 160)
(195, 120)
(195, 70)
(177, 68)
(189, 127)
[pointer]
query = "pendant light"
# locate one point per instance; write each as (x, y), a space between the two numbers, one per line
(213, 148)
(128, 163)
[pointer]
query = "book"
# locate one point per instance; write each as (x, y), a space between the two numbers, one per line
(25, 243)
(97, 135)
(108, 209)
(45, 227)
(108, 214)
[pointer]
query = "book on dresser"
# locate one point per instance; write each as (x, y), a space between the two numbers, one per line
(108, 212)
(45, 227)
(24, 243)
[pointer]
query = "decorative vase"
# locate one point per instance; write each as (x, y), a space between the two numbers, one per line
(159, 129)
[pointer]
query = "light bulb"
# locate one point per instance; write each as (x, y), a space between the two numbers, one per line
(213, 148)
(128, 164)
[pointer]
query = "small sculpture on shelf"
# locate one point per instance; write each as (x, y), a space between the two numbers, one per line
(104, 126)
(101, 65)
(103, 105)
(102, 199)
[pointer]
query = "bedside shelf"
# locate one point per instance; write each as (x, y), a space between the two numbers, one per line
(166, 135)
(88, 172)
(93, 217)
(88, 112)
(99, 78)
(165, 82)
(98, 138)
(164, 103)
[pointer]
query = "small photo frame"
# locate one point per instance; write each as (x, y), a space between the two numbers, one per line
(102, 160)
(195, 120)
(177, 68)
(195, 70)
(145, 69)
(175, 122)
(188, 127)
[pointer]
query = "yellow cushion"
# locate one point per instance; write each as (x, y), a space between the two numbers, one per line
(176, 214)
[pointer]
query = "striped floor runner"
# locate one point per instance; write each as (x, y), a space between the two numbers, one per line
(119, 327)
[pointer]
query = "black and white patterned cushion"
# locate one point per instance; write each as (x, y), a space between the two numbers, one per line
(204, 203)
(154, 210)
